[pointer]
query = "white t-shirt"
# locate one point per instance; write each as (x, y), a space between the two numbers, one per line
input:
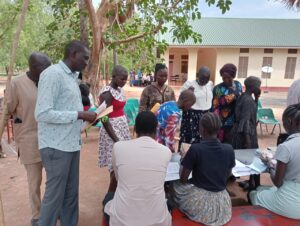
(294, 93)
(204, 94)
(140, 166)
(288, 152)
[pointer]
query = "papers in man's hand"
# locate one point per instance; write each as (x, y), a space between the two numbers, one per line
(256, 167)
(101, 111)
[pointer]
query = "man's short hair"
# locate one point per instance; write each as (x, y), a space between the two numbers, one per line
(145, 123)
(74, 46)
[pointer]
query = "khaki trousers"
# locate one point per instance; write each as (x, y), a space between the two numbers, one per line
(34, 178)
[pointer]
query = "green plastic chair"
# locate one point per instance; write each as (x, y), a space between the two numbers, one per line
(259, 106)
(130, 112)
(266, 116)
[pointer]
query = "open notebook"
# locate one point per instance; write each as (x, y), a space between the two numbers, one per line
(101, 111)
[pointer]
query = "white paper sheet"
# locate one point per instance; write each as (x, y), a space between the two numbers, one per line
(241, 169)
(257, 165)
(173, 171)
(173, 167)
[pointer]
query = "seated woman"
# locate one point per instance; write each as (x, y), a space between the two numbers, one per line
(204, 199)
(284, 197)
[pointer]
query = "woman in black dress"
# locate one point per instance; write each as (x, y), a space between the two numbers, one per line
(244, 129)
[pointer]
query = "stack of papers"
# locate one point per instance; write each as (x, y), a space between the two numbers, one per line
(172, 171)
(241, 169)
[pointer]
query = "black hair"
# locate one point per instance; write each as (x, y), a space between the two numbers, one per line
(158, 67)
(119, 70)
(292, 112)
(73, 46)
(187, 95)
(84, 90)
(86, 101)
(203, 70)
(252, 82)
(211, 123)
(145, 123)
(80, 76)
(37, 58)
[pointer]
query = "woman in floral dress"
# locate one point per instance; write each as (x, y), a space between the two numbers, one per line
(114, 128)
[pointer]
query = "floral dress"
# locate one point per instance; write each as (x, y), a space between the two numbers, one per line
(119, 124)
(223, 105)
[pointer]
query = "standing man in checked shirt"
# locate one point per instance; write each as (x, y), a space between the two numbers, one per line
(59, 113)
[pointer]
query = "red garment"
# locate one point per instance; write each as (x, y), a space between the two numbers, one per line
(86, 108)
(118, 108)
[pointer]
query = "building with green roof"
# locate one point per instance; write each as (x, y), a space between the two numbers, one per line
(250, 44)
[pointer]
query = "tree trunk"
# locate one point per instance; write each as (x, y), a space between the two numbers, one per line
(98, 23)
(11, 64)
(115, 58)
(84, 31)
(2, 223)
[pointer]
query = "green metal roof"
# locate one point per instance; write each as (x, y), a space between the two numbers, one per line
(244, 32)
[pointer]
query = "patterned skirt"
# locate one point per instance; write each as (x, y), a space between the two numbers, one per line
(209, 208)
(190, 126)
(121, 129)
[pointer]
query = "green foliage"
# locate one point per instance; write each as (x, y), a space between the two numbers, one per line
(33, 34)
(64, 27)
(51, 24)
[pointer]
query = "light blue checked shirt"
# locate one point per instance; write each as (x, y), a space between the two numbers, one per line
(56, 111)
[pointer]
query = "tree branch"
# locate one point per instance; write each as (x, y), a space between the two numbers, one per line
(12, 61)
(141, 35)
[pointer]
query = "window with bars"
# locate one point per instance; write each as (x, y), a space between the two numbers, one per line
(184, 67)
(290, 67)
(268, 50)
(244, 50)
(243, 67)
(292, 51)
(184, 57)
(267, 61)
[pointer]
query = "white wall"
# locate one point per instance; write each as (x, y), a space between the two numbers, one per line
(208, 57)
(216, 58)
(231, 55)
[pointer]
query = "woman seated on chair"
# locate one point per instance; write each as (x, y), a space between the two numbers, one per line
(284, 197)
(205, 199)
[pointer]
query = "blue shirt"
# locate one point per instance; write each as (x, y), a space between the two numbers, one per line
(56, 111)
(165, 111)
(210, 162)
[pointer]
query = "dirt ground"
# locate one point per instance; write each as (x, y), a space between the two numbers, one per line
(94, 180)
